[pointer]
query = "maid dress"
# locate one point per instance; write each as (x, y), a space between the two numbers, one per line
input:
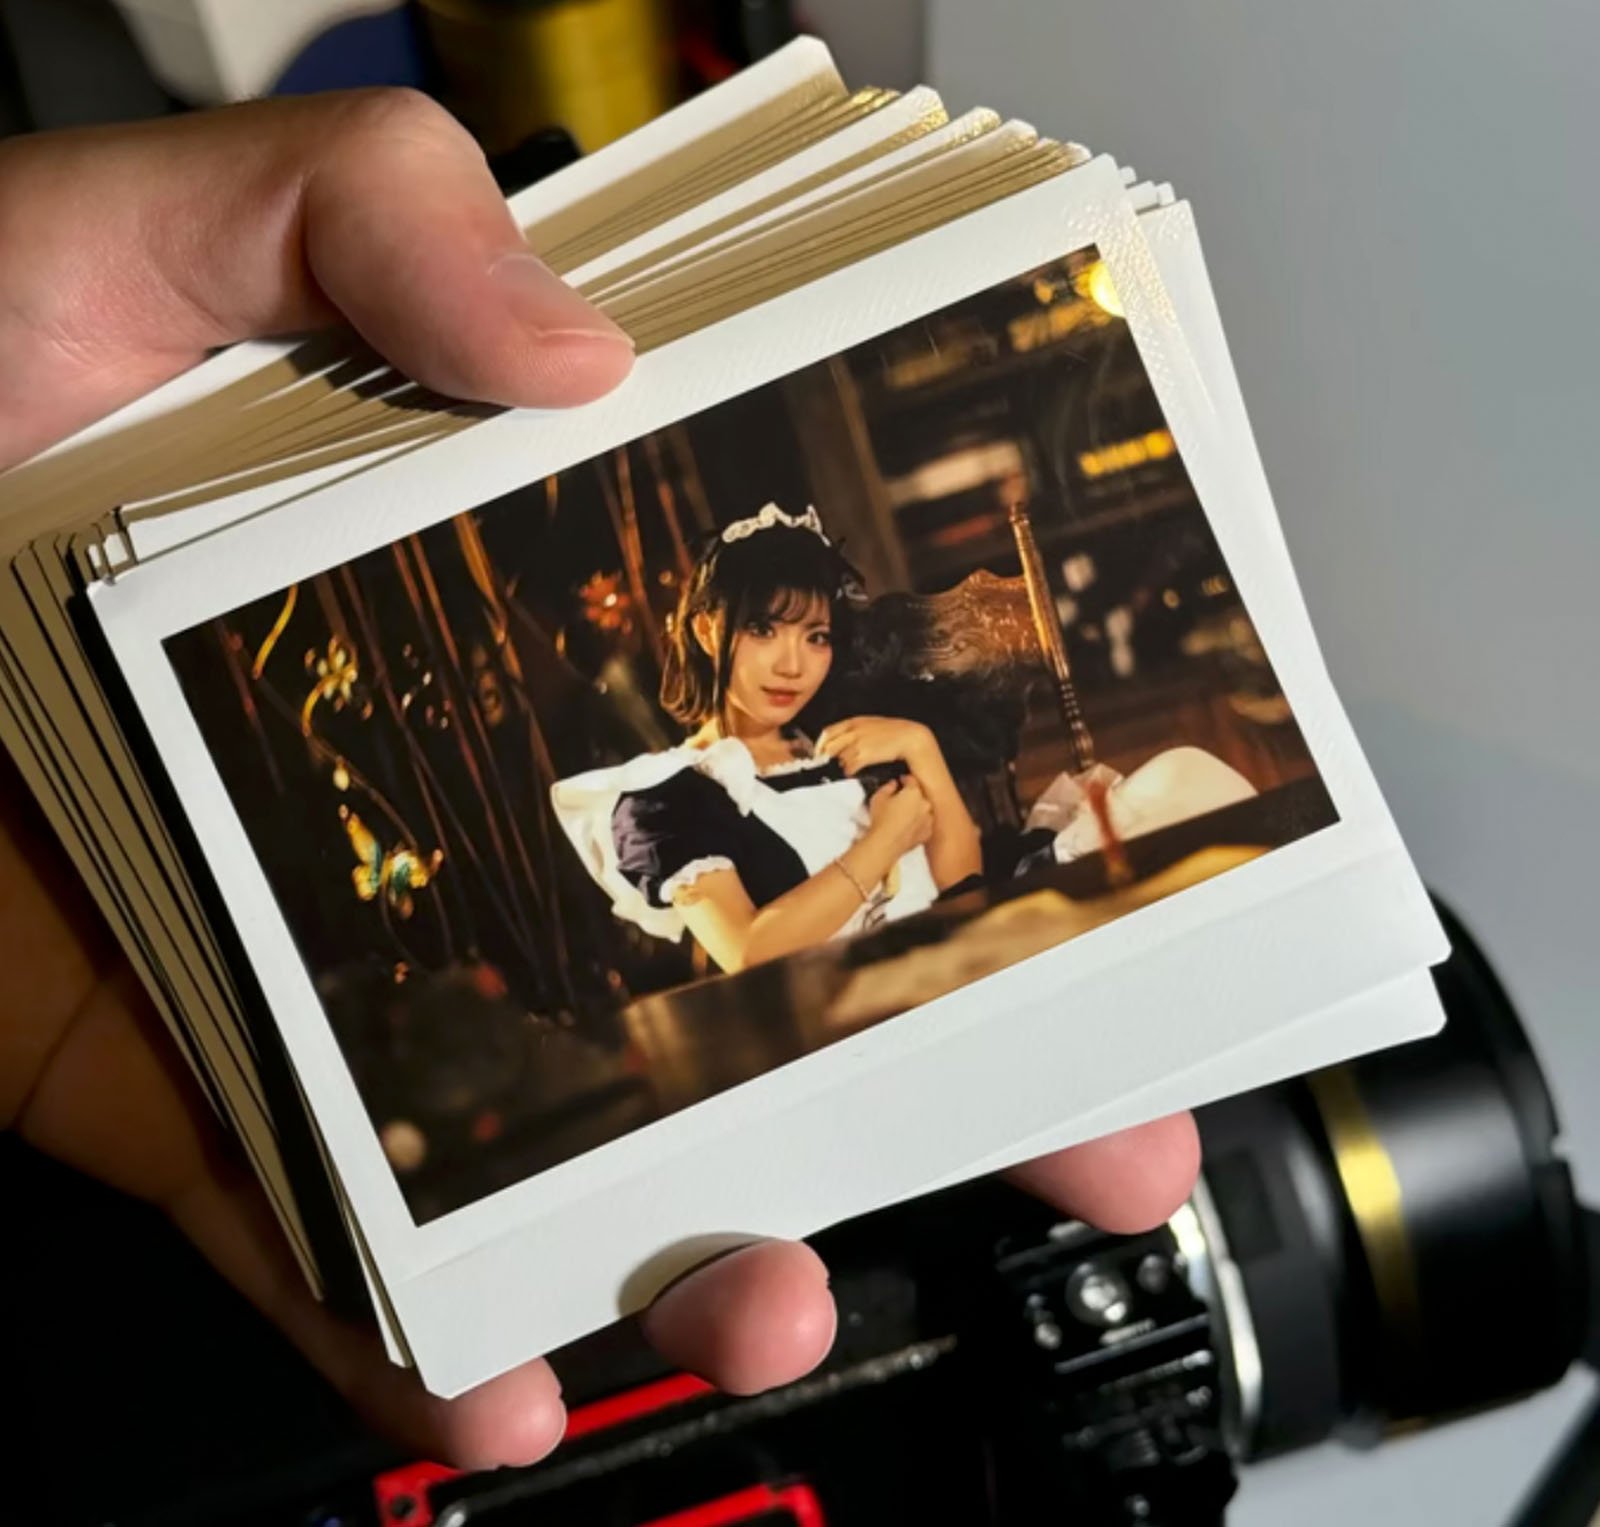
(648, 828)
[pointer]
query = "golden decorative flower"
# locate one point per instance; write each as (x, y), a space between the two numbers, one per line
(607, 605)
(334, 679)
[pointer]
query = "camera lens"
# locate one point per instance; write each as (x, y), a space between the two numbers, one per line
(1382, 1223)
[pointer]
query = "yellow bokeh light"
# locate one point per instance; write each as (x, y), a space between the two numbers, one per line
(1095, 283)
(1122, 455)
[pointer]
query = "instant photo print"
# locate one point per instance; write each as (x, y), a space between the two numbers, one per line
(880, 742)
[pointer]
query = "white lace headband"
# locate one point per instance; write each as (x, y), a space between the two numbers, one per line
(772, 516)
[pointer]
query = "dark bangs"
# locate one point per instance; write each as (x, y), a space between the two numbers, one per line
(779, 573)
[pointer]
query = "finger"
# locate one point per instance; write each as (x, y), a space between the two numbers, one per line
(129, 252)
(749, 1321)
(883, 792)
(1126, 1182)
(833, 737)
(513, 1419)
(148, 1134)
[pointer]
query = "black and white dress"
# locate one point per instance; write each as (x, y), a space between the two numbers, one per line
(648, 828)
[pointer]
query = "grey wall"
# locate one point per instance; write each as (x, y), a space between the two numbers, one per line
(876, 42)
(1396, 205)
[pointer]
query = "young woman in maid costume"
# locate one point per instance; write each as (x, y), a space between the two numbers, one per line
(770, 829)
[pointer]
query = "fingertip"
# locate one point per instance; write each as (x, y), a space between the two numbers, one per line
(570, 353)
(750, 1321)
(552, 369)
(510, 1422)
(1125, 1183)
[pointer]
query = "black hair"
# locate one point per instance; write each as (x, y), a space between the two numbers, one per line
(776, 573)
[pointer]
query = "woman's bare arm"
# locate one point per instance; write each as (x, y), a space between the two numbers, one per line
(718, 911)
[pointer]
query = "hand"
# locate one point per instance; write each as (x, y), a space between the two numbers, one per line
(863, 741)
(901, 816)
(124, 256)
(129, 252)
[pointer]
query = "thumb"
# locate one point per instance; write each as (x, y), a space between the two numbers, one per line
(408, 235)
(127, 253)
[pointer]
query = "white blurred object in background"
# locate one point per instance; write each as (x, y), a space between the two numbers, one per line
(208, 52)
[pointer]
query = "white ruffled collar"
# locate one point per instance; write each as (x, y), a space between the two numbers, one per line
(793, 766)
(728, 761)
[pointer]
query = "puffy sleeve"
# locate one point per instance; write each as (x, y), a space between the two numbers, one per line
(667, 836)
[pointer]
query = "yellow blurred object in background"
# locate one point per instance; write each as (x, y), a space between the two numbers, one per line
(597, 68)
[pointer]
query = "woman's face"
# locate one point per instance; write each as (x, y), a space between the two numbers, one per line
(779, 663)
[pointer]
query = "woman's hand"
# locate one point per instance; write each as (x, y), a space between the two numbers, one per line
(125, 255)
(902, 817)
(955, 853)
(864, 741)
